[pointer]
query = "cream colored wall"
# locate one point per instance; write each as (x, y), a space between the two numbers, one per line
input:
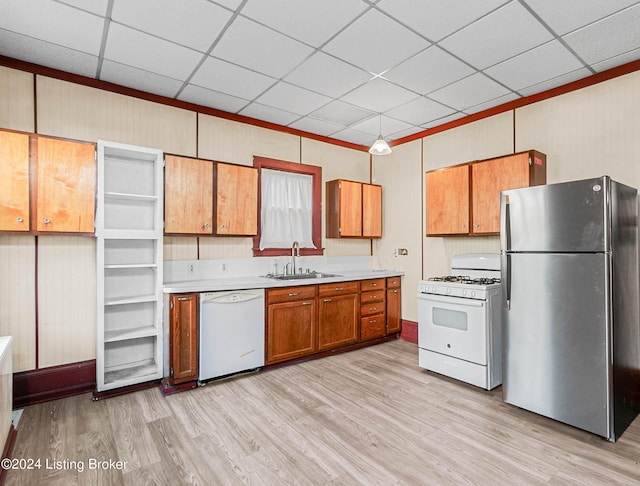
(83, 113)
(398, 173)
(483, 139)
(16, 101)
(66, 308)
(18, 298)
(338, 163)
(587, 133)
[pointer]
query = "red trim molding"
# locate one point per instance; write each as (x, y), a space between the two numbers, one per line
(55, 382)
(409, 331)
(143, 95)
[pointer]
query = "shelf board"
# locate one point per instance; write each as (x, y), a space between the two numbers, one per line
(132, 374)
(130, 265)
(134, 299)
(128, 234)
(134, 333)
(129, 197)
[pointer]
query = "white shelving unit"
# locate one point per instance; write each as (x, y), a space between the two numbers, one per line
(129, 230)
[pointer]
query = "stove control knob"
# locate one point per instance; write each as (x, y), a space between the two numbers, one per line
(448, 291)
(473, 293)
(464, 292)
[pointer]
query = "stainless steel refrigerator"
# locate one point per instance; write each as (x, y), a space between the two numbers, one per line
(570, 329)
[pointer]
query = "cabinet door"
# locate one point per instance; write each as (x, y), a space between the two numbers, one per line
(66, 186)
(236, 200)
(394, 320)
(291, 330)
(183, 336)
(350, 208)
(371, 211)
(338, 321)
(448, 201)
(14, 181)
(488, 179)
(188, 196)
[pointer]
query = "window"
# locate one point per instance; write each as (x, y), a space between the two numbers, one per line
(289, 208)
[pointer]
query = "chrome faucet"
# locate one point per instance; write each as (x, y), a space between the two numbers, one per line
(295, 251)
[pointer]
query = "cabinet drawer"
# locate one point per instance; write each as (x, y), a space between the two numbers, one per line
(368, 309)
(372, 327)
(287, 294)
(393, 282)
(373, 284)
(338, 288)
(375, 296)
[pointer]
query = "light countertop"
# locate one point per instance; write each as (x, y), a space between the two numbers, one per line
(262, 282)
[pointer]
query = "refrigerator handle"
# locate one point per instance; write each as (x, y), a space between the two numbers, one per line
(505, 223)
(505, 264)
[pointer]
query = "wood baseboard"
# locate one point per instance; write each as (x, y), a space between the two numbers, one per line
(409, 331)
(168, 389)
(55, 382)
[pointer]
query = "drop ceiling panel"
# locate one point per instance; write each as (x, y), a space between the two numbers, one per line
(379, 95)
(270, 114)
(46, 54)
(292, 98)
(124, 75)
(194, 24)
(420, 111)
(389, 125)
(309, 21)
(547, 61)
(555, 82)
(327, 75)
(568, 15)
(469, 92)
(249, 44)
(98, 7)
(54, 23)
(150, 53)
(318, 127)
(375, 43)
(429, 70)
(436, 19)
(219, 75)
(207, 97)
(621, 31)
(506, 32)
(341, 113)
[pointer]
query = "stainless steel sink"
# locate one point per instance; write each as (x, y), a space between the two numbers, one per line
(303, 276)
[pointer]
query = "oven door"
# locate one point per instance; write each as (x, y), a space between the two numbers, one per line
(453, 326)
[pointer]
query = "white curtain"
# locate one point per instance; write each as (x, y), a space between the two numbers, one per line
(286, 209)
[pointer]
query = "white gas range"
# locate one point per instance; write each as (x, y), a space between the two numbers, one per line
(459, 326)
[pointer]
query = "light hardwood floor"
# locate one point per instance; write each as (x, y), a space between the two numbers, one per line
(368, 417)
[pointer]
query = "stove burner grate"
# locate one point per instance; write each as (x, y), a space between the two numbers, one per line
(463, 279)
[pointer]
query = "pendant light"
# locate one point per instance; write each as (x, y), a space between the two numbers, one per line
(380, 146)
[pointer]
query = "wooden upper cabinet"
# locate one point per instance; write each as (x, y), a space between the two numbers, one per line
(371, 211)
(14, 181)
(354, 209)
(489, 177)
(66, 182)
(188, 196)
(448, 201)
(236, 200)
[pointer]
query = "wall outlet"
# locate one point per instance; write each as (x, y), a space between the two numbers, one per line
(190, 269)
(400, 252)
(224, 267)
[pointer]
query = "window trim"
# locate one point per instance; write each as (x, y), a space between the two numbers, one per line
(316, 217)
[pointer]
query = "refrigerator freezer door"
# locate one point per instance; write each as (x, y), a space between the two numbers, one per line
(556, 337)
(566, 217)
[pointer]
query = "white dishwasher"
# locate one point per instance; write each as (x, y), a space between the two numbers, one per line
(231, 332)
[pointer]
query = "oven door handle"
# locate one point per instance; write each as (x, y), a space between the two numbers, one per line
(451, 300)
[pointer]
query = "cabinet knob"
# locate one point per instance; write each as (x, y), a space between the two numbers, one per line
(46, 221)
(463, 226)
(477, 225)
(19, 220)
(205, 226)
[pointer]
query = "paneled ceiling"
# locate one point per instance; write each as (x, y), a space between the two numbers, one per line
(345, 69)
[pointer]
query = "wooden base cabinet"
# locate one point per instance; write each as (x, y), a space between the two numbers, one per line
(183, 338)
(373, 323)
(338, 315)
(291, 323)
(394, 316)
